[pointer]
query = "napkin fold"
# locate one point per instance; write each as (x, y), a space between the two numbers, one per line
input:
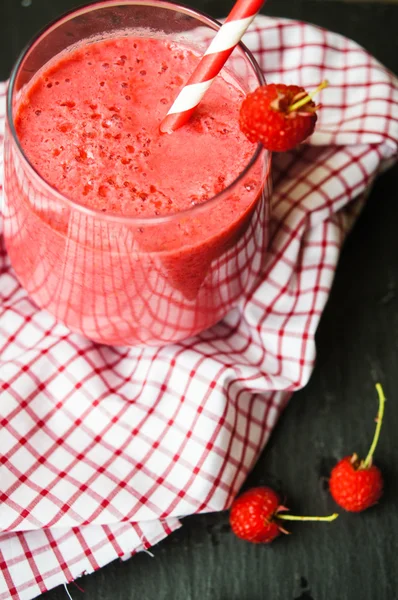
(103, 449)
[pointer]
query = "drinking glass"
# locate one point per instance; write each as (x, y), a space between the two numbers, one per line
(120, 279)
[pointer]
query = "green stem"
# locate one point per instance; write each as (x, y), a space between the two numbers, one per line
(308, 97)
(379, 419)
(328, 519)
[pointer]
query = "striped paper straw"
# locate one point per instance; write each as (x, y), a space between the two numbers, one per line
(213, 60)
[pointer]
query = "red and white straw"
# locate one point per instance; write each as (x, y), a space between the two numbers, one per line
(213, 60)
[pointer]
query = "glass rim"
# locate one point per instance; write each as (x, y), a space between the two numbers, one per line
(177, 7)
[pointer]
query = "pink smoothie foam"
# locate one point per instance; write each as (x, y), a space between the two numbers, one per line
(90, 126)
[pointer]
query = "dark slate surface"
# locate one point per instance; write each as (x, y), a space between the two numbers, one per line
(354, 558)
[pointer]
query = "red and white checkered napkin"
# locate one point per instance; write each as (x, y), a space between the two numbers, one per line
(102, 449)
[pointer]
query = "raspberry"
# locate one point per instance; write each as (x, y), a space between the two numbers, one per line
(279, 116)
(353, 487)
(356, 484)
(256, 516)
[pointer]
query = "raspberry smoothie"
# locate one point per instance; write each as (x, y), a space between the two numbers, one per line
(140, 250)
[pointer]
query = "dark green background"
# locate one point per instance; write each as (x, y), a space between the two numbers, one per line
(354, 558)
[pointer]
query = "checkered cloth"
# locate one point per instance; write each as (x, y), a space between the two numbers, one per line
(103, 449)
